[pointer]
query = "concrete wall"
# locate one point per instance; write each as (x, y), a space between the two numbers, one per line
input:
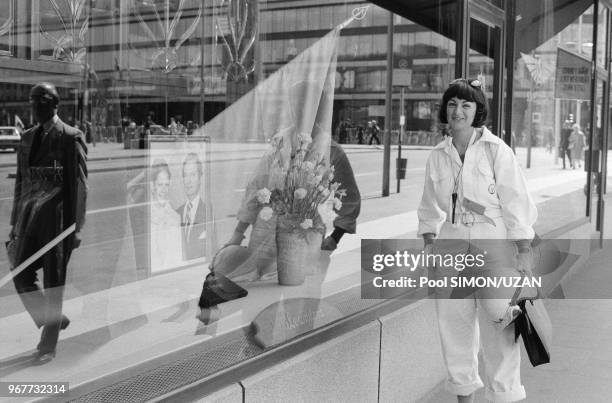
(394, 359)
(411, 359)
(230, 394)
(341, 370)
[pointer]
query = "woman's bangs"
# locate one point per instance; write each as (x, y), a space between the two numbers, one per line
(461, 91)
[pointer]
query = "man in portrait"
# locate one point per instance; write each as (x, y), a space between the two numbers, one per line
(193, 211)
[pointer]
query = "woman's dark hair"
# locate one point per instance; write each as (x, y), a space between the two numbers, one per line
(158, 167)
(470, 90)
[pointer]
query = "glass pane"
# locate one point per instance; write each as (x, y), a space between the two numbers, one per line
(181, 103)
(578, 36)
(496, 3)
(481, 60)
(551, 114)
(598, 146)
(602, 28)
(7, 24)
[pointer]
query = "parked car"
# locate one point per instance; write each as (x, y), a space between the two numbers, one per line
(9, 137)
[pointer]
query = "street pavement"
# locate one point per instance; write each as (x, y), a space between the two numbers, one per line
(142, 317)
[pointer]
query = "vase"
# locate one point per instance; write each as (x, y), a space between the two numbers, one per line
(298, 251)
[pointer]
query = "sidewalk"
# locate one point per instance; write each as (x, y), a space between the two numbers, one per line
(112, 151)
(581, 358)
(103, 154)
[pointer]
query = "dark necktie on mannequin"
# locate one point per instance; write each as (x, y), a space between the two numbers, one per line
(187, 218)
(38, 135)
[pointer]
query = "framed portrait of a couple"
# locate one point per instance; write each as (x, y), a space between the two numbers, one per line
(179, 214)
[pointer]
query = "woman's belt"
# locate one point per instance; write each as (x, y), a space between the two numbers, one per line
(469, 218)
(474, 213)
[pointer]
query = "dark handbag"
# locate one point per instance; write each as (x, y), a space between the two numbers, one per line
(534, 326)
(218, 289)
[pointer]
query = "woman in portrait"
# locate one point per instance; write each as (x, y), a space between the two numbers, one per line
(165, 238)
(476, 202)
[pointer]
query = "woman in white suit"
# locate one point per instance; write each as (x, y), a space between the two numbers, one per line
(476, 201)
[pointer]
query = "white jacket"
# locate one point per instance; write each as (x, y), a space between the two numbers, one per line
(504, 194)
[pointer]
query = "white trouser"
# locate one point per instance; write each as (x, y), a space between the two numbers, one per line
(467, 324)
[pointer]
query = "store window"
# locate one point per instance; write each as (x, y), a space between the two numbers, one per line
(181, 104)
(602, 28)
(553, 135)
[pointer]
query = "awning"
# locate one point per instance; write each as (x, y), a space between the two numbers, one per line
(537, 21)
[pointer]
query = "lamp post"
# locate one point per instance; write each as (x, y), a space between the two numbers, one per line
(402, 78)
(401, 162)
(388, 108)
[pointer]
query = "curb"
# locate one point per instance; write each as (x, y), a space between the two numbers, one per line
(141, 166)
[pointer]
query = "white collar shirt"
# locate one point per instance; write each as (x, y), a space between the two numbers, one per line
(48, 125)
(503, 192)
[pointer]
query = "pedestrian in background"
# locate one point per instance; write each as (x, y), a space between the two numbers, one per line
(577, 144)
(50, 196)
(343, 131)
(373, 130)
(360, 133)
(566, 131)
(173, 127)
(475, 192)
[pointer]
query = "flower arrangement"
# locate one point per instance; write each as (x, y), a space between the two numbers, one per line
(302, 190)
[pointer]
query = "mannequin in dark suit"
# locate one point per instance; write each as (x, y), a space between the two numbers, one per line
(193, 223)
(50, 195)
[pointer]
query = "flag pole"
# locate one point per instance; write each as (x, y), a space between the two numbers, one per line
(358, 13)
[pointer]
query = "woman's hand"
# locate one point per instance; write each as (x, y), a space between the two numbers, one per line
(208, 315)
(525, 262)
(329, 244)
(427, 250)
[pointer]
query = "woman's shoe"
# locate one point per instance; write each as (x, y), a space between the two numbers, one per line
(43, 358)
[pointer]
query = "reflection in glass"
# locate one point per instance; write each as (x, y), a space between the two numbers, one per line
(541, 129)
(6, 27)
(165, 222)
